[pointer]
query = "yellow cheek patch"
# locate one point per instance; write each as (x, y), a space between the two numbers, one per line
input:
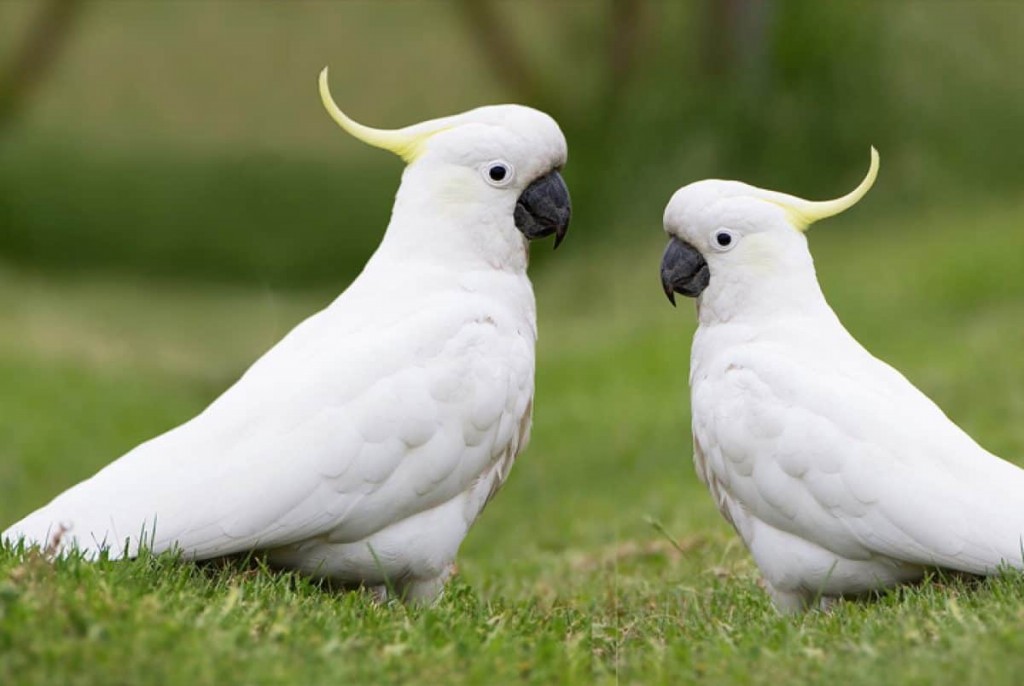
(760, 254)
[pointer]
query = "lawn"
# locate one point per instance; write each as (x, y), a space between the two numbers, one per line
(603, 559)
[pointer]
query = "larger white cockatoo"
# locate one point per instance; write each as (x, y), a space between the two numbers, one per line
(840, 476)
(363, 446)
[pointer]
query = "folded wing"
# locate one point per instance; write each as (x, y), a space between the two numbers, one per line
(856, 460)
(333, 434)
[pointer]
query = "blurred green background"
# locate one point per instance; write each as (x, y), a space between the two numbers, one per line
(173, 199)
(186, 139)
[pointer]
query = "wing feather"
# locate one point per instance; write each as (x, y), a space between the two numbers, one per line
(337, 432)
(861, 464)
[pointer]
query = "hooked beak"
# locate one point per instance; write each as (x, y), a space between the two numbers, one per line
(683, 270)
(544, 208)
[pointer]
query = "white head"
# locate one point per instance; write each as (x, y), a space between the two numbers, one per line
(478, 185)
(736, 247)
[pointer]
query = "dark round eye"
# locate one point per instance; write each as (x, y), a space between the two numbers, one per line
(723, 239)
(497, 172)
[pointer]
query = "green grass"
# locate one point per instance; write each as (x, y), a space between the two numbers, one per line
(568, 576)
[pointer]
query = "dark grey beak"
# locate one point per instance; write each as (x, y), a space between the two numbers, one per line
(544, 208)
(683, 270)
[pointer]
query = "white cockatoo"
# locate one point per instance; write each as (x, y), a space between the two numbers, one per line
(840, 476)
(363, 446)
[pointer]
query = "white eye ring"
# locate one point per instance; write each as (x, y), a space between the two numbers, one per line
(724, 240)
(497, 173)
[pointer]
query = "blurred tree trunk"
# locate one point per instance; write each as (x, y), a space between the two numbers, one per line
(33, 59)
(583, 119)
(503, 53)
(624, 40)
(510, 62)
(734, 39)
(736, 62)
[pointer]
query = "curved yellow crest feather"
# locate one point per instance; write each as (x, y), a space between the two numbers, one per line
(407, 143)
(802, 213)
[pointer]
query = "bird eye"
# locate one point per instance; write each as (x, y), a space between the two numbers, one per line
(724, 239)
(498, 173)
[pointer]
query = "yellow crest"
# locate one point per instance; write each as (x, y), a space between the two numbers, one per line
(802, 213)
(407, 143)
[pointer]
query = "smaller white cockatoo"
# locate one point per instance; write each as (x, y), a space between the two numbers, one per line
(839, 475)
(363, 446)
